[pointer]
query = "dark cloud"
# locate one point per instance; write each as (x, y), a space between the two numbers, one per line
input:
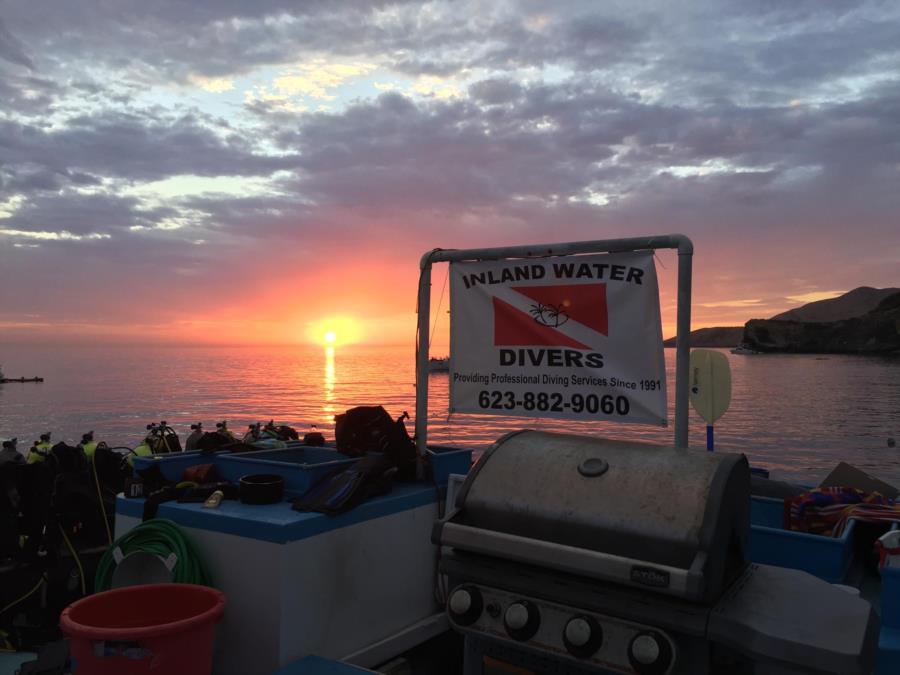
(12, 49)
(495, 91)
(84, 214)
(132, 146)
(26, 94)
(174, 40)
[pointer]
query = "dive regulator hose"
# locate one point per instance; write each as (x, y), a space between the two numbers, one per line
(161, 537)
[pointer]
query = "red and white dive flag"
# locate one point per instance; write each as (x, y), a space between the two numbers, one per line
(575, 337)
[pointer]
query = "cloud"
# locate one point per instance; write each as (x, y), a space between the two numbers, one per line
(138, 145)
(52, 236)
(318, 78)
(815, 296)
(12, 50)
(74, 216)
(215, 85)
(765, 131)
(751, 302)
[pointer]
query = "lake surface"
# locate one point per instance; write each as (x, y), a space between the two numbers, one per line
(797, 415)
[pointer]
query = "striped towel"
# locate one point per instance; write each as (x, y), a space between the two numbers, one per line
(828, 510)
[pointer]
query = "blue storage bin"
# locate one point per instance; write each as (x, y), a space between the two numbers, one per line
(890, 597)
(767, 512)
(770, 544)
(888, 662)
(301, 466)
(444, 460)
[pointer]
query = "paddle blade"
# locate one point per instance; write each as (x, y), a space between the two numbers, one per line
(710, 384)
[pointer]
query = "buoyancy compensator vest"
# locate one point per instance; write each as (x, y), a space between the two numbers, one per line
(88, 444)
(40, 450)
(370, 429)
(162, 439)
(190, 443)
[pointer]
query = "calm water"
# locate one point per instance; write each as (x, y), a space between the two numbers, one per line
(797, 415)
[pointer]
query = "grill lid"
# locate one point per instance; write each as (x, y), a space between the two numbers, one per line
(675, 521)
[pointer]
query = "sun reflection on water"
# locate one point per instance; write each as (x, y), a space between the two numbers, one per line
(328, 386)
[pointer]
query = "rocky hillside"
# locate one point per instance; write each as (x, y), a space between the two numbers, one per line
(723, 336)
(858, 321)
(874, 332)
(852, 304)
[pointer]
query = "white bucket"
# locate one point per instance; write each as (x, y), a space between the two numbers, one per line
(888, 546)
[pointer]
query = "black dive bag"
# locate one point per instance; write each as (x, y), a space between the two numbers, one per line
(370, 429)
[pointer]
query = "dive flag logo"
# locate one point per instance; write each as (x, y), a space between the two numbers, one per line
(550, 315)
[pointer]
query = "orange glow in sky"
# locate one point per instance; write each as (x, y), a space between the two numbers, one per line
(371, 302)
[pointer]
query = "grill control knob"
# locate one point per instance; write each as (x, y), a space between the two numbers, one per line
(578, 632)
(582, 636)
(522, 620)
(461, 601)
(465, 605)
(650, 653)
(516, 616)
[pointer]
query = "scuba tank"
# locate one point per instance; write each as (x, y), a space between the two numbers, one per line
(314, 437)
(190, 444)
(212, 441)
(88, 444)
(254, 433)
(160, 439)
(10, 452)
(262, 437)
(270, 430)
(41, 449)
(145, 447)
(271, 436)
(222, 428)
(142, 449)
(281, 432)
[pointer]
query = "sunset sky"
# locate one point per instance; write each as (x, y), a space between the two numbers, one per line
(261, 170)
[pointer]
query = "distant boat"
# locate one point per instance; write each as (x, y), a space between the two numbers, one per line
(4, 379)
(743, 349)
(439, 365)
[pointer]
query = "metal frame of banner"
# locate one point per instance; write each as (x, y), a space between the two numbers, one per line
(683, 336)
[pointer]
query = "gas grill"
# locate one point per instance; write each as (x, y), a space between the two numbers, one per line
(570, 554)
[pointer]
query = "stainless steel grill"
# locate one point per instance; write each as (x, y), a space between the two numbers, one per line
(577, 554)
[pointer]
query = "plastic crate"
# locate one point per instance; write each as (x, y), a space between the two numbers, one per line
(770, 544)
(300, 466)
(172, 465)
(444, 460)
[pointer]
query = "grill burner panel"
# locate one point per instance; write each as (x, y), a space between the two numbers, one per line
(624, 646)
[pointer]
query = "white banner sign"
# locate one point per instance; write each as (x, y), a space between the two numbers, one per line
(576, 337)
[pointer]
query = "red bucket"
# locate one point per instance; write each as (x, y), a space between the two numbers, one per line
(167, 629)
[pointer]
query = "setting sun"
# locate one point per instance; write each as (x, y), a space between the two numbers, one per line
(334, 331)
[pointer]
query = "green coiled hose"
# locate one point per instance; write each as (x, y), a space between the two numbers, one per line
(161, 537)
